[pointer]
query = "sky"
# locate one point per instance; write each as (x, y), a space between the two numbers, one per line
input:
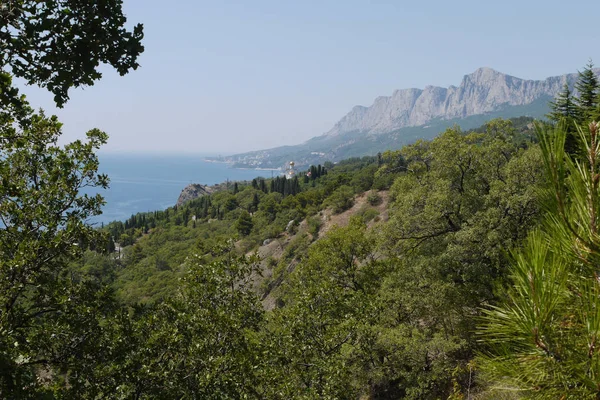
(225, 76)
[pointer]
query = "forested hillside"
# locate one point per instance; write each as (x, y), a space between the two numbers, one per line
(462, 267)
(384, 305)
(151, 247)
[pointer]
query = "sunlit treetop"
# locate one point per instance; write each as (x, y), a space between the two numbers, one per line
(60, 44)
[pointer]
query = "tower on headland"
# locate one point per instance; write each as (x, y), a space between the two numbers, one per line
(290, 170)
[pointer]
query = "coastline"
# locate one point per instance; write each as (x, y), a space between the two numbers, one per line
(149, 182)
(247, 169)
(258, 169)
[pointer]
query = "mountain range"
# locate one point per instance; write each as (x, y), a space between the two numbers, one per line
(411, 114)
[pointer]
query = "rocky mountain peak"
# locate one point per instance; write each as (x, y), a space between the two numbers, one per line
(484, 74)
(411, 114)
(483, 91)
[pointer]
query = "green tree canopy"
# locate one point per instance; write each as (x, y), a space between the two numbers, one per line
(51, 320)
(564, 106)
(59, 44)
(201, 343)
(327, 301)
(587, 85)
(543, 338)
(464, 199)
(244, 223)
(43, 218)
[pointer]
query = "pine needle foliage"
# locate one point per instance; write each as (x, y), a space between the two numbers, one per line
(571, 110)
(564, 106)
(543, 340)
(587, 85)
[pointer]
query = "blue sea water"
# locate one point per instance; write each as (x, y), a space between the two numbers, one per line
(140, 183)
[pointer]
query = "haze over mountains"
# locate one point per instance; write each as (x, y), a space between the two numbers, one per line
(410, 114)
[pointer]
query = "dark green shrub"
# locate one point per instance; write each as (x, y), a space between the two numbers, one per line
(374, 199)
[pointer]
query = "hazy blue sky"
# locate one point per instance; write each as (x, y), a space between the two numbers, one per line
(230, 76)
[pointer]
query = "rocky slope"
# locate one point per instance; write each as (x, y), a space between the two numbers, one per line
(410, 114)
(193, 191)
(483, 91)
(275, 266)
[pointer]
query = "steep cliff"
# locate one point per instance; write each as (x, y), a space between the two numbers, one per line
(411, 114)
(481, 92)
(193, 191)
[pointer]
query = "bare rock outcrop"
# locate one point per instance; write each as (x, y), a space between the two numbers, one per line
(193, 191)
(483, 91)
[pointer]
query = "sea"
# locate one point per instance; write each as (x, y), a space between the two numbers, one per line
(140, 183)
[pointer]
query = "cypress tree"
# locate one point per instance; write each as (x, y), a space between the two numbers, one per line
(111, 245)
(286, 187)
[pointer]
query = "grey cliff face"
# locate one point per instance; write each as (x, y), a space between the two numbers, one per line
(411, 114)
(483, 91)
(193, 191)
